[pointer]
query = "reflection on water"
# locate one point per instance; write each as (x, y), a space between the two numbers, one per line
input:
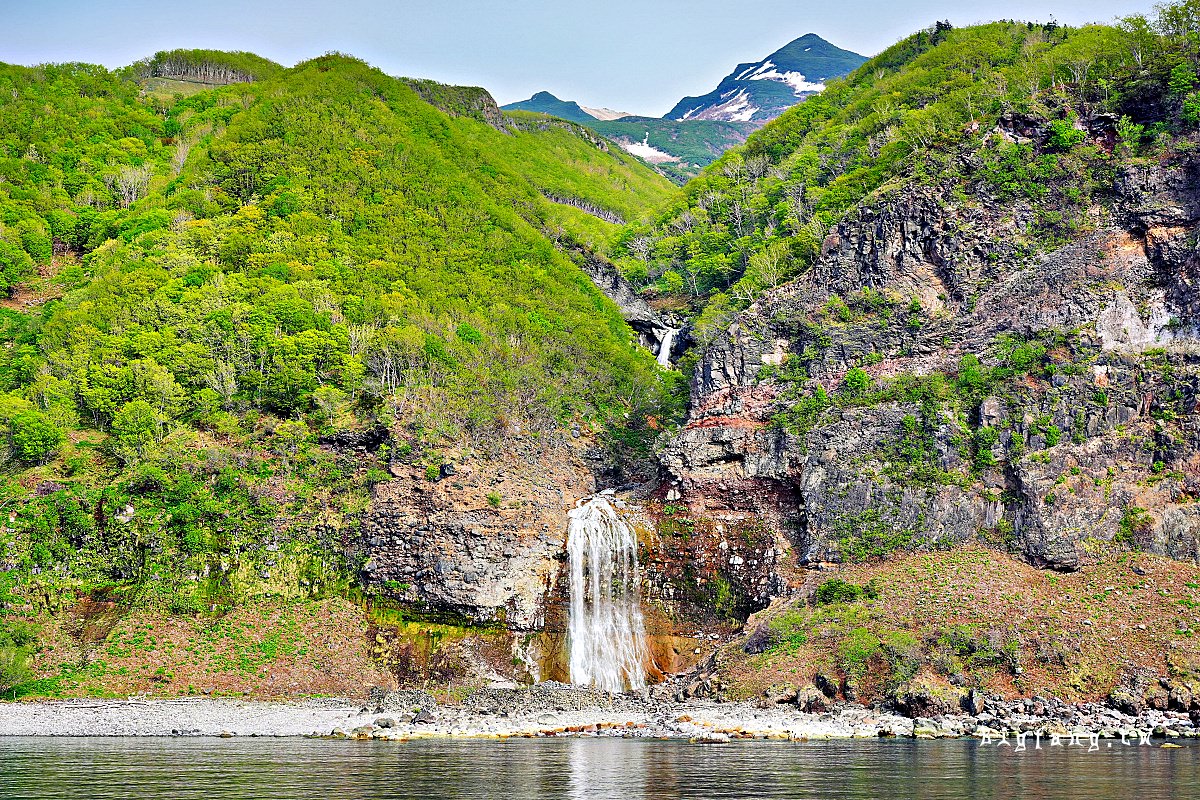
(216, 769)
(610, 768)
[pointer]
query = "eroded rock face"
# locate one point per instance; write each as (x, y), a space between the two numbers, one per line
(1095, 447)
(652, 327)
(482, 543)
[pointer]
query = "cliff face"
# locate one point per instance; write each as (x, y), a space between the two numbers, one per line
(1074, 433)
(483, 541)
(460, 101)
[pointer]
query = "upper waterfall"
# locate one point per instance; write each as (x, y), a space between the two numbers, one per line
(608, 640)
(664, 348)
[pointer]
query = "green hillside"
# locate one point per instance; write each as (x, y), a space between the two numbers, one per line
(758, 215)
(203, 287)
(917, 299)
(242, 305)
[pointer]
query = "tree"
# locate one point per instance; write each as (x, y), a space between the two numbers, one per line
(132, 182)
(15, 264)
(327, 399)
(770, 264)
(1182, 80)
(672, 281)
(289, 441)
(135, 429)
(33, 437)
(1181, 21)
(1140, 37)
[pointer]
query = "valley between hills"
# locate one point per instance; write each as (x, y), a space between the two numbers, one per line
(894, 386)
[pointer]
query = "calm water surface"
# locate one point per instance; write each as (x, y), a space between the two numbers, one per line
(215, 769)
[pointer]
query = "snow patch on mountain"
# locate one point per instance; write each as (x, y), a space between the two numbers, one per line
(646, 151)
(767, 71)
(793, 79)
(605, 114)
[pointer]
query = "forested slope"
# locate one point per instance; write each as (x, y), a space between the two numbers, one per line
(205, 288)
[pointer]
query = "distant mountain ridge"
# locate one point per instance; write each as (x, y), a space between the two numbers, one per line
(760, 91)
(678, 150)
(546, 103)
(699, 129)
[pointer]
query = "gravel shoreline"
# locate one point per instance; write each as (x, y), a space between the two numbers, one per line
(556, 710)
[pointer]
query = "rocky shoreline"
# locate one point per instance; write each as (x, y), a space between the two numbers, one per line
(548, 710)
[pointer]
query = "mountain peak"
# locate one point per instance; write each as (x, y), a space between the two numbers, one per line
(762, 90)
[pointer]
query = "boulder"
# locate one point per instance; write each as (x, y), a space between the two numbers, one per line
(812, 700)
(973, 702)
(924, 698)
(778, 693)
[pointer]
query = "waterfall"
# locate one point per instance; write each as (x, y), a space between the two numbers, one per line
(664, 349)
(608, 640)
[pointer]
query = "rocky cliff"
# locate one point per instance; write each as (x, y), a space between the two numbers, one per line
(477, 539)
(933, 380)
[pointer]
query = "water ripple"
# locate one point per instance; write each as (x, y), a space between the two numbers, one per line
(216, 769)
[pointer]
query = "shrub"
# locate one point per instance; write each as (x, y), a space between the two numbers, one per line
(1181, 81)
(984, 440)
(135, 429)
(788, 632)
(148, 479)
(185, 604)
(33, 437)
(1053, 435)
(469, 334)
(15, 264)
(1135, 523)
(836, 590)
(1064, 135)
(14, 668)
(15, 641)
(859, 646)
(1131, 134)
(856, 382)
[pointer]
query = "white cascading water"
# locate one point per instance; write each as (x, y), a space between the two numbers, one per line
(664, 349)
(608, 638)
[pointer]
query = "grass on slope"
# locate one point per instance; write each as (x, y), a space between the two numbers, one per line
(264, 648)
(991, 620)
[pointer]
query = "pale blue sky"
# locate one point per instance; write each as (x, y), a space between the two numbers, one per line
(634, 55)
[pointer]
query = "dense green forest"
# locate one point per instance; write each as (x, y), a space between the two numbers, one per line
(202, 287)
(913, 113)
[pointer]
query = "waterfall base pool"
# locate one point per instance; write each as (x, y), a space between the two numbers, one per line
(215, 769)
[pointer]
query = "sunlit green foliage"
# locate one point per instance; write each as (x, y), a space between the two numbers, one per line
(252, 266)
